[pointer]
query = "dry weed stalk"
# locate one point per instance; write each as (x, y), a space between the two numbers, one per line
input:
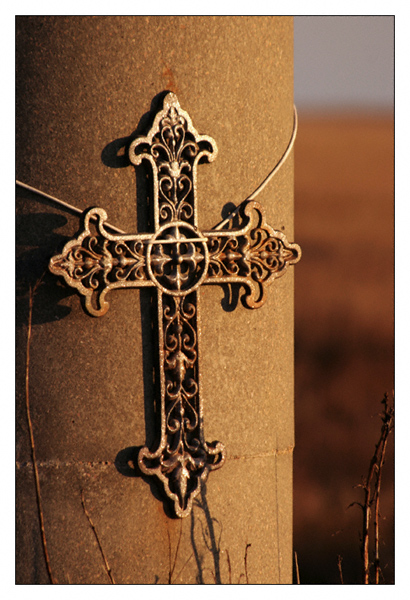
(87, 514)
(171, 570)
(297, 568)
(172, 566)
(32, 292)
(339, 566)
(371, 488)
(229, 566)
(246, 562)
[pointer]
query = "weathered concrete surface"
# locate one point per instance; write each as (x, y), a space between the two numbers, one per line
(83, 84)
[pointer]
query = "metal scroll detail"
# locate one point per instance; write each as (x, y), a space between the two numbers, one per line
(176, 259)
(253, 255)
(183, 458)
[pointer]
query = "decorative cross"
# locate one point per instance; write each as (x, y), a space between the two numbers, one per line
(176, 260)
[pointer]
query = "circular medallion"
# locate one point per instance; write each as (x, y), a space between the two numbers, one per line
(177, 258)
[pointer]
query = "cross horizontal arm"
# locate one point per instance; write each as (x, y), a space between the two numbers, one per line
(96, 262)
(253, 255)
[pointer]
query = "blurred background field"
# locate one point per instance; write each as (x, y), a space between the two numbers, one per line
(344, 302)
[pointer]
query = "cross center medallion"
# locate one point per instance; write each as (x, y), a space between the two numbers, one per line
(176, 259)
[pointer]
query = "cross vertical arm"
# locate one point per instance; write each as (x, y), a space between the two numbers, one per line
(183, 458)
(178, 264)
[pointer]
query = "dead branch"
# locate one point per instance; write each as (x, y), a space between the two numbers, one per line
(371, 488)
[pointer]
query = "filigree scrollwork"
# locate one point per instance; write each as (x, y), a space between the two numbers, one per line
(95, 263)
(173, 147)
(176, 259)
(183, 458)
(253, 255)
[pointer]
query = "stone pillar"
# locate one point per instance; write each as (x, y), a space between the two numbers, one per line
(84, 85)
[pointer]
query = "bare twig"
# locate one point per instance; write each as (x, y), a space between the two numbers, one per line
(339, 566)
(246, 562)
(169, 557)
(32, 291)
(87, 514)
(371, 487)
(245, 559)
(297, 568)
(172, 567)
(183, 567)
(213, 575)
(229, 566)
(387, 418)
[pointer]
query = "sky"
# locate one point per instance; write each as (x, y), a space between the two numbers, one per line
(344, 62)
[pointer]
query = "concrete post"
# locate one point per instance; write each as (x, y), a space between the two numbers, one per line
(83, 84)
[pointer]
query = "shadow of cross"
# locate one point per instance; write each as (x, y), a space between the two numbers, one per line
(177, 259)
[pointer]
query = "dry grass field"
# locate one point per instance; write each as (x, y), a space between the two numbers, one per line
(344, 323)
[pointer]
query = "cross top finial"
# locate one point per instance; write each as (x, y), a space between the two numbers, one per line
(173, 147)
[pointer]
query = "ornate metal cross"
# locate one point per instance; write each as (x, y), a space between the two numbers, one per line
(177, 259)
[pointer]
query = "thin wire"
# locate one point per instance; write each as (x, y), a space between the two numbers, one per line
(248, 199)
(282, 160)
(62, 203)
(270, 175)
